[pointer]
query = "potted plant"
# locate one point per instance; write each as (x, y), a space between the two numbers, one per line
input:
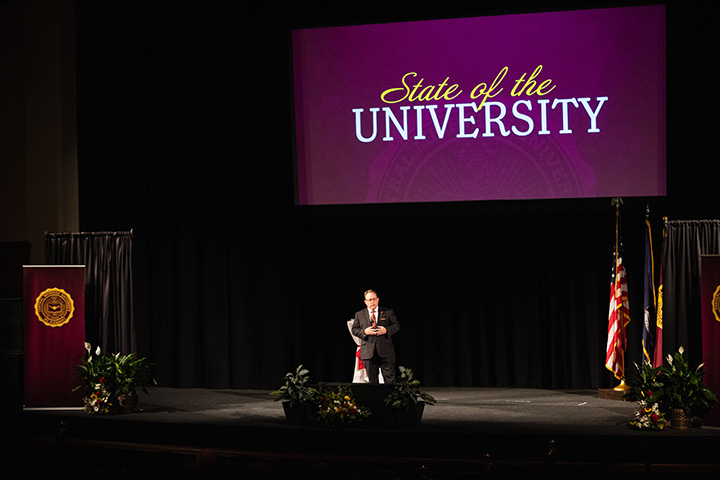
(406, 402)
(645, 389)
(682, 391)
(94, 371)
(300, 400)
(112, 381)
(130, 374)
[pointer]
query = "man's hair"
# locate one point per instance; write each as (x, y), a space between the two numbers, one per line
(369, 291)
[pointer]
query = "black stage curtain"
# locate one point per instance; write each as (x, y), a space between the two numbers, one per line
(683, 244)
(107, 256)
(228, 300)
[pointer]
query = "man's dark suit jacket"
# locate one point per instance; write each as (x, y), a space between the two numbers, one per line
(369, 343)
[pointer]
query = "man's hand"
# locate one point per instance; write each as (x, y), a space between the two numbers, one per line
(375, 331)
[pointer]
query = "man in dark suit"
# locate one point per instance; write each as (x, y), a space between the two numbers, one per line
(375, 327)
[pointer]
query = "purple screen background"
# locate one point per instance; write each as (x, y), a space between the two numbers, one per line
(617, 53)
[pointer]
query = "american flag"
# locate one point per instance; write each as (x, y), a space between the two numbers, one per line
(619, 315)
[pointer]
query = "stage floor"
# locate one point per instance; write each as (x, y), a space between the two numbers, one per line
(497, 426)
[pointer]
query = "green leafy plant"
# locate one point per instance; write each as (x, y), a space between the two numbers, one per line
(646, 389)
(407, 392)
(92, 368)
(644, 383)
(131, 374)
(682, 387)
(296, 388)
(95, 373)
(108, 378)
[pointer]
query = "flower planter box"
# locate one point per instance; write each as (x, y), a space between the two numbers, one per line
(405, 418)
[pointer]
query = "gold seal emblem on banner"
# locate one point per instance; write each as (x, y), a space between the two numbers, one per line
(716, 303)
(54, 307)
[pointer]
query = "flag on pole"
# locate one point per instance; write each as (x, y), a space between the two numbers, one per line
(619, 314)
(658, 361)
(650, 300)
(659, 328)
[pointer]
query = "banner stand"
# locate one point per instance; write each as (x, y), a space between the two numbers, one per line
(54, 326)
(710, 295)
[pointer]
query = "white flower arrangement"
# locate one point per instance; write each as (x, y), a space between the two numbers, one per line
(649, 417)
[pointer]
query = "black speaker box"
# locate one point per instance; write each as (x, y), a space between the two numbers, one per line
(11, 326)
(11, 372)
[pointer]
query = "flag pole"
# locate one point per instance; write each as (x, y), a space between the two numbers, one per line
(617, 201)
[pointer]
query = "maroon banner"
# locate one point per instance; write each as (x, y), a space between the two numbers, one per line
(710, 291)
(54, 304)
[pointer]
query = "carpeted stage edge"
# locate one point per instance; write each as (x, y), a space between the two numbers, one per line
(496, 430)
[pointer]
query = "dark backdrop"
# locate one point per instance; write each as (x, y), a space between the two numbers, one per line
(236, 286)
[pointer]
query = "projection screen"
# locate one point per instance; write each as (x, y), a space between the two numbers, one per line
(567, 104)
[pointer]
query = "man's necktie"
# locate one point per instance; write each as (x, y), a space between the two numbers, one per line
(372, 318)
